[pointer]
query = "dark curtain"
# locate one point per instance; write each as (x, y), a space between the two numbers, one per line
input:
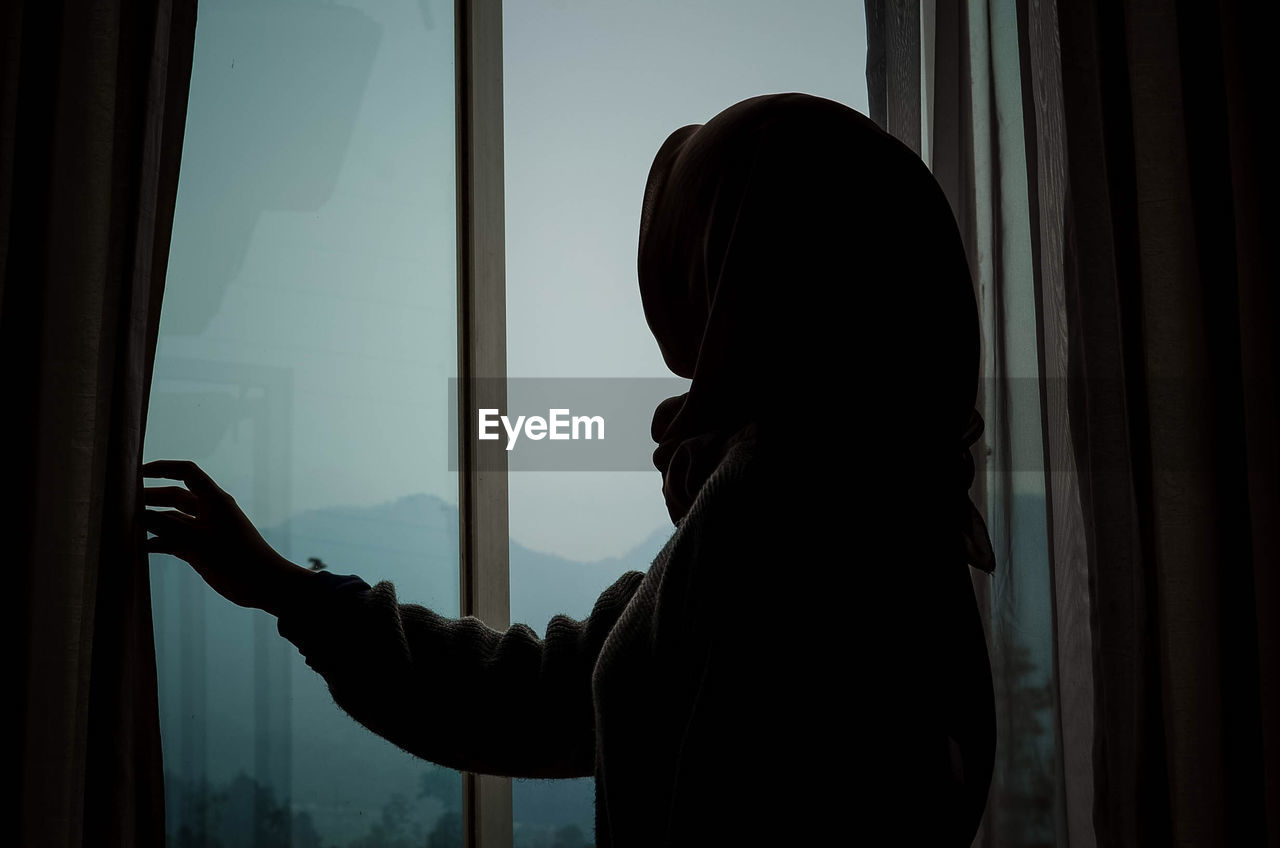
(92, 108)
(1037, 36)
(1142, 125)
(893, 67)
(1171, 318)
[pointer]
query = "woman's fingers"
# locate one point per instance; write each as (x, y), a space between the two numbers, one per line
(186, 471)
(167, 522)
(173, 496)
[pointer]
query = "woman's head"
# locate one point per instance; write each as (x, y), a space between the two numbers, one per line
(794, 258)
(804, 270)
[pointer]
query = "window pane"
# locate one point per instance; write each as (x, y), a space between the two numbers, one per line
(306, 341)
(591, 91)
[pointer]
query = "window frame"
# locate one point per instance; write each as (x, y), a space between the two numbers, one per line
(483, 529)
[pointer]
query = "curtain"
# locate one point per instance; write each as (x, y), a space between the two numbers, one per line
(1026, 804)
(92, 109)
(1103, 162)
(969, 99)
(1170, 333)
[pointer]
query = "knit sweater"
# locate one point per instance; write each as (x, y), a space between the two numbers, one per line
(741, 691)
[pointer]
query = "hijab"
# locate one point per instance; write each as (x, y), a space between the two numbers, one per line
(798, 264)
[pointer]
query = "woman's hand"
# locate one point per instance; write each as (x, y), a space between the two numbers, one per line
(206, 528)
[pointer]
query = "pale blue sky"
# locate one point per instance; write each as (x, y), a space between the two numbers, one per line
(592, 89)
(310, 304)
(313, 248)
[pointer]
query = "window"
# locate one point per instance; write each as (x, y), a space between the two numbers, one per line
(311, 326)
(306, 341)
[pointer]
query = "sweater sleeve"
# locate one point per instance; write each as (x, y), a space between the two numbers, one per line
(455, 691)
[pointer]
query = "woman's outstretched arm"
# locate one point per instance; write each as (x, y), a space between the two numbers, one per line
(455, 691)
(452, 691)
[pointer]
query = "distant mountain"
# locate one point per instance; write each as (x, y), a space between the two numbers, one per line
(544, 585)
(342, 775)
(413, 542)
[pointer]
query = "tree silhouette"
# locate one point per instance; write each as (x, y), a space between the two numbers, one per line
(447, 832)
(1023, 792)
(213, 817)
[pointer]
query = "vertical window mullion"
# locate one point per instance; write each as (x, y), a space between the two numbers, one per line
(482, 360)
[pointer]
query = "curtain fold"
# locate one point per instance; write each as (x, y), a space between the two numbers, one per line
(1171, 318)
(1044, 131)
(1104, 158)
(91, 119)
(1026, 806)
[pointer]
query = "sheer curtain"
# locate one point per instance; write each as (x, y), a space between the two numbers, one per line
(953, 70)
(92, 104)
(1102, 160)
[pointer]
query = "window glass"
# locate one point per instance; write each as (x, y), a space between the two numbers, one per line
(306, 341)
(592, 89)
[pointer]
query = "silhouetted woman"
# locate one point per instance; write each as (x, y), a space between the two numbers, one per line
(804, 659)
